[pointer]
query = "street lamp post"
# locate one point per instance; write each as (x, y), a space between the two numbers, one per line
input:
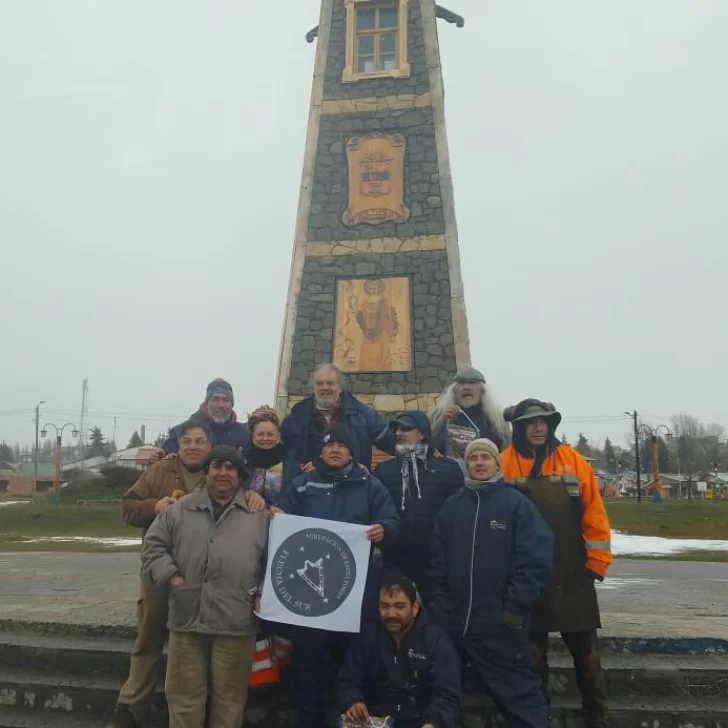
(35, 454)
(59, 442)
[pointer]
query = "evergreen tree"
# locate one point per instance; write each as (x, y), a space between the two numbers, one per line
(135, 441)
(6, 453)
(97, 442)
(162, 438)
(582, 446)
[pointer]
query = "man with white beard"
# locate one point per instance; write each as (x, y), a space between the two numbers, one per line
(302, 429)
(218, 415)
(466, 411)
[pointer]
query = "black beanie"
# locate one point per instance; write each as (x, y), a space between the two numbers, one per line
(228, 454)
(337, 433)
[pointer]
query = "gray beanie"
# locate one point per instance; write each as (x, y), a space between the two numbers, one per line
(219, 386)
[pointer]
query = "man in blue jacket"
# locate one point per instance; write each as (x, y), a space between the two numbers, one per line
(337, 489)
(404, 666)
(419, 484)
(217, 413)
(302, 429)
(491, 559)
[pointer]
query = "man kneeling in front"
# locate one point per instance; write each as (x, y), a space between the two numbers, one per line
(404, 667)
(208, 549)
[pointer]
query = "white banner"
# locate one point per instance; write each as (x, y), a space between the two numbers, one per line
(316, 573)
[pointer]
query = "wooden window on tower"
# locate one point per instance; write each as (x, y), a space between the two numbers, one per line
(376, 40)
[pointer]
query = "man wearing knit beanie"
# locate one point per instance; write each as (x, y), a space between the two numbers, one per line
(218, 414)
(337, 489)
(562, 485)
(491, 558)
(483, 445)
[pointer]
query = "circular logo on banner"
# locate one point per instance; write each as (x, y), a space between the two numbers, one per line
(313, 572)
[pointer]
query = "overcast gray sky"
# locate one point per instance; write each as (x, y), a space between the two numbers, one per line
(150, 158)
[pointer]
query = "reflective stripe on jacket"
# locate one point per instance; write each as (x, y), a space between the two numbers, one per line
(565, 461)
(265, 669)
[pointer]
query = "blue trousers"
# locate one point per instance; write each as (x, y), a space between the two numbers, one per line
(503, 661)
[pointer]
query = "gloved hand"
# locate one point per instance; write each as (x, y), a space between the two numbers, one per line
(593, 575)
(514, 621)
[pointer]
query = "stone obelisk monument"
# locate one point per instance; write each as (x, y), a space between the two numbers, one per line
(375, 280)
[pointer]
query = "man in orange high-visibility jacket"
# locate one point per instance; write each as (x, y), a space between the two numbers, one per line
(563, 487)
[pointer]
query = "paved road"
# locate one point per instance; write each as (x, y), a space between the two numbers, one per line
(639, 599)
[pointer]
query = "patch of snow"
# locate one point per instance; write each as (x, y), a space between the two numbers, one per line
(9, 503)
(624, 544)
(86, 539)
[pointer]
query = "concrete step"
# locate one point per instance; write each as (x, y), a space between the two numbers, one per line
(647, 676)
(93, 695)
(628, 675)
(268, 712)
(21, 718)
(624, 713)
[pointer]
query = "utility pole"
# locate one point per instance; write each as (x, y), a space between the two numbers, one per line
(633, 415)
(37, 445)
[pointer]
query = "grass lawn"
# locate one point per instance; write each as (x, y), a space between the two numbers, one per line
(41, 518)
(669, 519)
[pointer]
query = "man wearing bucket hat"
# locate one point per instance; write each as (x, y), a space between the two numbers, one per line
(466, 411)
(419, 484)
(491, 559)
(563, 487)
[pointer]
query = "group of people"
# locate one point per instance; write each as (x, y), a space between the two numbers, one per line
(477, 555)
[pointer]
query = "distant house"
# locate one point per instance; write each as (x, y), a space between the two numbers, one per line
(137, 458)
(20, 485)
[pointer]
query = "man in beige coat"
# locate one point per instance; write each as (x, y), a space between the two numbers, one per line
(209, 551)
(160, 486)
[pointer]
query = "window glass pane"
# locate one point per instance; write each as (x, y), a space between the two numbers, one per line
(387, 17)
(366, 65)
(388, 63)
(365, 19)
(366, 45)
(386, 43)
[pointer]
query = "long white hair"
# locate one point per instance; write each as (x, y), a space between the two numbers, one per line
(491, 409)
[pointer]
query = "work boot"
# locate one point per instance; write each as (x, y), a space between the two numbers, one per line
(124, 719)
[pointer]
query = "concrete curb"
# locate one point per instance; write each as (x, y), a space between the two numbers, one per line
(615, 645)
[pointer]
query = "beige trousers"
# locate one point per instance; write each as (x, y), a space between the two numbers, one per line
(146, 657)
(199, 666)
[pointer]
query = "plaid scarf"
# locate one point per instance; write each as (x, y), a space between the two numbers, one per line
(409, 455)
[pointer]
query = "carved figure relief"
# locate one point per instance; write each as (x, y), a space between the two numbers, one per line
(373, 325)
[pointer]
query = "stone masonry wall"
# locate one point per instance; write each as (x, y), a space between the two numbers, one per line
(433, 345)
(421, 181)
(418, 82)
(415, 248)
